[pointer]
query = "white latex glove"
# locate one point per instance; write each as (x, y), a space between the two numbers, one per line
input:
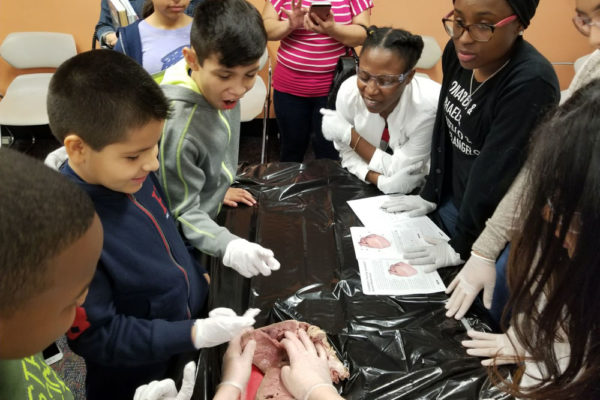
(403, 181)
(335, 127)
(478, 273)
(441, 254)
(222, 325)
(165, 389)
(56, 158)
(308, 367)
(414, 205)
(249, 259)
(237, 363)
(497, 346)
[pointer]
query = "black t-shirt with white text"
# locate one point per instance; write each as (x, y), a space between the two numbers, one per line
(481, 134)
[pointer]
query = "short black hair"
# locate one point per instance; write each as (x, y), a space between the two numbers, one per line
(231, 29)
(41, 214)
(408, 46)
(100, 95)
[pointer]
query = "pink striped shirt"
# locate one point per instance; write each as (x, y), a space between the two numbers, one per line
(306, 60)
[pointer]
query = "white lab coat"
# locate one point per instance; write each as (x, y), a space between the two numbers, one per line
(410, 126)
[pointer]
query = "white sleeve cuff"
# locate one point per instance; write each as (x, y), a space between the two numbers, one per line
(380, 162)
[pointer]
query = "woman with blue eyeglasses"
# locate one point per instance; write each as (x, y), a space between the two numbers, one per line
(384, 115)
(495, 88)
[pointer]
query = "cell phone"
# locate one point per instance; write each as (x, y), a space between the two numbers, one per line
(52, 354)
(321, 8)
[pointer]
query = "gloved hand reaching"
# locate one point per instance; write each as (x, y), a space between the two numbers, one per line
(403, 181)
(249, 259)
(478, 273)
(414, 205)
(335, 127)
(237, 363)
(221, 326)
(441, 254)
(501, 348)
(166, 390)
(308, 369)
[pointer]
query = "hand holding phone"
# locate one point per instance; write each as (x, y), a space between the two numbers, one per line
(320, 8)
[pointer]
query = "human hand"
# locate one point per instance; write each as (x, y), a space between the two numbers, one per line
(478, 273)
(314, 23)
(237, 362)
(501, 348)
(249, 259)
(295, 15)
(335, 127)
(165, 389)
(308, 367)
(233, 196)
(413, 205)
(222, 325)
(441, 254)
(403, 181)
(110, 39)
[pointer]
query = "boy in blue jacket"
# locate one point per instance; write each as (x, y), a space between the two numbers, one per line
(147, 293)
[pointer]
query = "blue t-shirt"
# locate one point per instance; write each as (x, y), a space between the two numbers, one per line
(162, 48)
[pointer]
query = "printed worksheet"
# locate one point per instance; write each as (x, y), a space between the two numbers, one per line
(382, 243)
(379, 247)
(397, 278)
(370, 213)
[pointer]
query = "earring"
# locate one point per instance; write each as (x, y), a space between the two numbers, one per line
(520, 33)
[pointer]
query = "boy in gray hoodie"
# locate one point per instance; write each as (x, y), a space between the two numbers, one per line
(200, 143)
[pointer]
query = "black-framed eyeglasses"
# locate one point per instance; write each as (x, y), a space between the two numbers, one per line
(382, 81)
(584, 24)
(478, 32)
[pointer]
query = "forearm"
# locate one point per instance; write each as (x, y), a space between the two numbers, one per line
(349, 35)
(324, 393)
(372, 177)
(227, 392)
(126, 341)
(277, 29)
(204, 233)
(498, 230)
(361, 147)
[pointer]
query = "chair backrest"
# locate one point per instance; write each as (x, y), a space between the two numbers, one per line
(37, 49)
(431, 53)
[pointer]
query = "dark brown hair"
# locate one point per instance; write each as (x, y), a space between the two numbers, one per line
(553, 294)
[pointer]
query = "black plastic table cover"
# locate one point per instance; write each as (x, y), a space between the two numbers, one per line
(396, 347)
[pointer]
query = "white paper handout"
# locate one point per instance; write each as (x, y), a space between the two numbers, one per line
(370, 213)
(394, 277)
(382, 267)
(379, 246)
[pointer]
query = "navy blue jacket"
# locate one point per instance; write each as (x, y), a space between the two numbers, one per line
(144, 296)
(130, 43)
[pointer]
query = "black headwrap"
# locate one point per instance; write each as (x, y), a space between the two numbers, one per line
(525, 10)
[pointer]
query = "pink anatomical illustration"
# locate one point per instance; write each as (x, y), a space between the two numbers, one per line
(374, 241)
(402, 269)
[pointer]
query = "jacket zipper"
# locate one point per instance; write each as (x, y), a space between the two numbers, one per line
(168, 248)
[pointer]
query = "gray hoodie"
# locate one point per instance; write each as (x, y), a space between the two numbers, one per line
(198, 160)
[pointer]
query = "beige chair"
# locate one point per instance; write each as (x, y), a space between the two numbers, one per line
(24, 103)
(258, 99)
(431, 54)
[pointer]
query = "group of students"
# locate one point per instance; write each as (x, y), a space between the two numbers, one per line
(112, 251)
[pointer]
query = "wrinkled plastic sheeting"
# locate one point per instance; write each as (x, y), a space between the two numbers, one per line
(396, 347)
